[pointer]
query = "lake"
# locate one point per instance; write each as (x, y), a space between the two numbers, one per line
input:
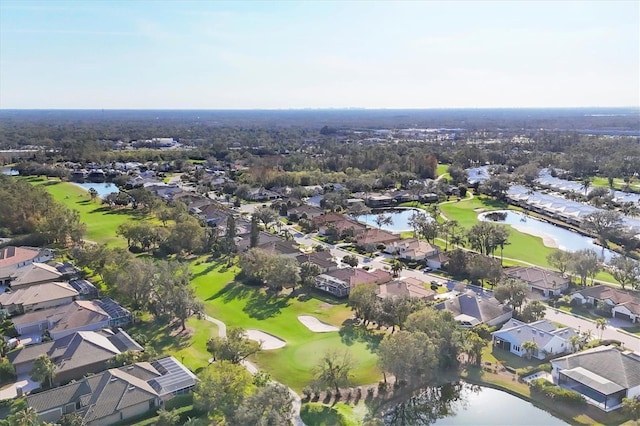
(400, 219)
(564, 239)
(103, 189)
(465, 404)
(9, 171)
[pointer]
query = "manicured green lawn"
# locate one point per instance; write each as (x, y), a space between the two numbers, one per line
(617, 183)
(239, 305)
(190, 348)
(443, 169)
(318, 414)
(101, 221)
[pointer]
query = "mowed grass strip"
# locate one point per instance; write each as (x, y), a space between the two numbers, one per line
(101, 220)
(238, 305)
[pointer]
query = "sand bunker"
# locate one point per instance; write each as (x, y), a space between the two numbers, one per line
(315, 325)
(547, 239)
(268, 341)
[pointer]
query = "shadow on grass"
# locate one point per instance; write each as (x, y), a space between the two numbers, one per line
(162, 337)
(215, 264)
(262, 306)
(136, 214)
(352, 332)
(320, 295)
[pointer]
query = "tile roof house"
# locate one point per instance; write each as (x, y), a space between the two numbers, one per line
(408, 287)
(541, 280)
(603, 375)
(624, 304)
(17, 257)
(322, 259)
(305, 211)
(75, 355)
(117, 394)
(411, 249)
(340, 281)
(281, 247)
(32, 274)
(469, 310)
(79, 315)
(375, 237)
(549, 339)
(35, 297)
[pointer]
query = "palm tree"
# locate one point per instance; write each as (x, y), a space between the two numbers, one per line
(586, 184)
(26, 417)
(576, 342)
(601, 324)
(44, 370)
(396, 267)
(93, 193)
(529, 347)
(381, 219)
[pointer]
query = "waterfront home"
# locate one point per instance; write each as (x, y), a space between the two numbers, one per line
(604, 375)
(539, 280)
(340, 282)
(549, 339)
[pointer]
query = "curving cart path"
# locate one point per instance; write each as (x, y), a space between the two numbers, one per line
(253, 369)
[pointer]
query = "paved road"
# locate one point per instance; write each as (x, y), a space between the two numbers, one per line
(583, 324)
(253, 369)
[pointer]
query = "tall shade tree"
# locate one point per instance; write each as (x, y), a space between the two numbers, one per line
(585, 264)
(559, 259)
(409, 356)
(513, 292)
(268, 405)
(266, 215)
(235, 347)
(334, 369)
(604, 223)
(364, 301)
(626, 271)
(222, 388)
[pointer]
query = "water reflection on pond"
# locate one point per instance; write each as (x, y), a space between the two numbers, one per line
(400, 218)
(563, 238)
(464, 404)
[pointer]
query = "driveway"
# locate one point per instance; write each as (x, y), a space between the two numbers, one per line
(11, 391)
(630, 341)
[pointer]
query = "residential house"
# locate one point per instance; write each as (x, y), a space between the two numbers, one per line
(305, 211)
(281, 247)
(213, 215)
(243, 241)
(604, 375)
(36, 297)
(623, 304)
(550, 340)
(408, 287)
(75, 355)
(79, 315)
(340, 281)
(17, 257)
(375, 237)
(343, 227)
(378, 201)
(117, 394)
(262, 194)
(118, 316)
(540, 280)
(469, 310)
(322, 259)
(31, 274)
(411, 249)
(435, 261)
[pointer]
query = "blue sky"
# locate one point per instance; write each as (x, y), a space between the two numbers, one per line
(318, 54)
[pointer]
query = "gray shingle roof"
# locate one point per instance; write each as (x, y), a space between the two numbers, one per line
(619, 367)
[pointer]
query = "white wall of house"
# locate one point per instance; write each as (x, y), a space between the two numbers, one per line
(623, 310)
(633, 392)
(557, 345)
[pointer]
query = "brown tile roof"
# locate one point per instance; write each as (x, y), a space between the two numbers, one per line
(620, 297)
(376, 236)
(39, 293)
(321, 258)
(35, 273)
(76, 314)
(400, 288)
(11, 255)
(328, 218)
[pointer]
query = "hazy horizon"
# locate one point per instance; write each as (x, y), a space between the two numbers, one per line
(190, 55)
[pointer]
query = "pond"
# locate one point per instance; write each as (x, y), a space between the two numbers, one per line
(103, 189)
(399, 219)
(552, 235)
(9, 171)
(465, 404)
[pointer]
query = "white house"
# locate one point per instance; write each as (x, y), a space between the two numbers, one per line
(604, 375)
(549, 339)
(411, 249)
